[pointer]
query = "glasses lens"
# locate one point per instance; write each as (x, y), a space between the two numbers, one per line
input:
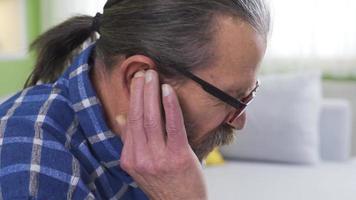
(237, 114)
(246, 101)
(249, 98)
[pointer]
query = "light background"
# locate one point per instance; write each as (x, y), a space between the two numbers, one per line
(13, 43)
(13, 72)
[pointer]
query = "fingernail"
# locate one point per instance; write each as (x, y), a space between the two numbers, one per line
(166, 90)
(148, 76)
(140, 74)
(121, 120)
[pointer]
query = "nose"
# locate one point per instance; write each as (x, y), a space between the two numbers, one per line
(239, 123)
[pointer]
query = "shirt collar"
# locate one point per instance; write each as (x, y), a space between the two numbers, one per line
(106, 145)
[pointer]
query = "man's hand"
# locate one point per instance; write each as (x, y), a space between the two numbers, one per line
(158, 155)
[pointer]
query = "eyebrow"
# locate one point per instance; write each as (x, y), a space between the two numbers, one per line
(239, 94)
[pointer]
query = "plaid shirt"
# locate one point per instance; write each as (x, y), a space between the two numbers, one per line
(55, 143)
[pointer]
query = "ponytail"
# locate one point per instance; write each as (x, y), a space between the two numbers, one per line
(55, 48)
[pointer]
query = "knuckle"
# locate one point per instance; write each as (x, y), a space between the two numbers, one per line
(154, 170)
(126, 165)
(135, 118)
(162, 167)
(170, 105)
(151, 168)
(151, 123)
(172, 128)
(141, 165)
(159, 167)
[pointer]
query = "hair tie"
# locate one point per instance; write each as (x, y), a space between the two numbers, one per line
(96, 22)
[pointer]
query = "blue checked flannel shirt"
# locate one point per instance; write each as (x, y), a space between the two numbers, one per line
(55, 143)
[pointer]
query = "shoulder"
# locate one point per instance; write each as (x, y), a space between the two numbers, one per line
(43, 111)
(26, 184)
(40, 169)
(34, 161)
(43, 105)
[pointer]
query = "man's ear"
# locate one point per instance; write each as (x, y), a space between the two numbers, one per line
(131, 65)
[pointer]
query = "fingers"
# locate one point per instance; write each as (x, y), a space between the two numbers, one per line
(152, 110)
(144, 123)
(135, 115)
(176, 133)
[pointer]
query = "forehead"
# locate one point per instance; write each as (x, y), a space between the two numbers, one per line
(238, 52)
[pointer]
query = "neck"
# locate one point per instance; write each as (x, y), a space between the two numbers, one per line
(110, 95)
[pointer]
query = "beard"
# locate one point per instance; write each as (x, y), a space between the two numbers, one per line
(222, 135)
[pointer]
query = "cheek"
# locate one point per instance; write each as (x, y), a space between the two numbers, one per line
(205, 120)
(200, 111)
(203, 117)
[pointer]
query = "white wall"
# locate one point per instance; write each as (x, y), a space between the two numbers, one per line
(56, 11)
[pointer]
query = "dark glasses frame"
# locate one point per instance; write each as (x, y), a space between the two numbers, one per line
(239, 105)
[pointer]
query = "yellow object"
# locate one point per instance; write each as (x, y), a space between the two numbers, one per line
(214, 158)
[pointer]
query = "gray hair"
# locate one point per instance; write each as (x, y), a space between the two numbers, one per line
(171, 32)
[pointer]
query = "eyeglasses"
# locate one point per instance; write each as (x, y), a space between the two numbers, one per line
(239, 105)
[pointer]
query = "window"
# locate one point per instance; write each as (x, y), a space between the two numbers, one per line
(313, 34)
(56, 11)
(13, 44)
